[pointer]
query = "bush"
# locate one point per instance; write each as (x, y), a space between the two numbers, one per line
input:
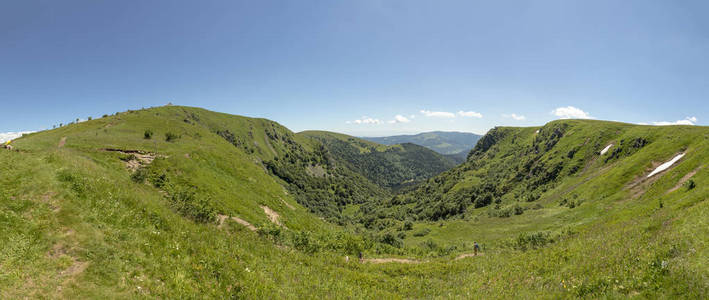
(484, 200)
(518, 210)
(303, 241)
(139, 175)
(422, 232)
(189, 204)
(169, 137)
(389, 239)
(148, 134)
(690, 184)
(533, 240)
(408, 225)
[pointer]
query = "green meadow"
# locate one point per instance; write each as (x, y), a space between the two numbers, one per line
(152, 203)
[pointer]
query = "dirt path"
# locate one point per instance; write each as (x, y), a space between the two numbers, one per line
(287, 204)
(222, 218)
(390, 260)
(410, 261)
(468, 255)
(683, 180)
(62, 142)
(272, 215)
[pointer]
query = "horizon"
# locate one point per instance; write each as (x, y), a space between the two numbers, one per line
(366, 68)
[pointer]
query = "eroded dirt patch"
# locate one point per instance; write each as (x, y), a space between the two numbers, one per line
(135, 158)
(222, 218)
(272, 215)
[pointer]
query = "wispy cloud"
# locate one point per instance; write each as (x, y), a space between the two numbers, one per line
(686, 121)
(470, 114)
(438, 114)
(399, 119)
(365, 120)
(8, 136)
(571, 112)
(514, 116)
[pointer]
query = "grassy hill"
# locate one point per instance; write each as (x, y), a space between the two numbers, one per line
(452, 144)
(153, 203)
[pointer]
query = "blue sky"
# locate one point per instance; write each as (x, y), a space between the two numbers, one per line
(359, 67)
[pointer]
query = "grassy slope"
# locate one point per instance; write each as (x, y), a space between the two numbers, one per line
(387, 166)
(74, 225)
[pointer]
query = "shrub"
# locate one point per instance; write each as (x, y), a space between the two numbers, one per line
(148, 134)
(422, 232)
(690, 184)
(188, 203)
(483, 200)
(390, 239)
(518, 210)
(532, 240)
(169, 136)
(303, 241)
(139, 175)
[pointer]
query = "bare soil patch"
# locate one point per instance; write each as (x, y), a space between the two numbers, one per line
(272, 215)
(62, 142)
(137, 158)
(222, 218)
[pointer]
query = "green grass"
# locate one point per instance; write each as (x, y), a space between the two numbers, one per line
(74, 225)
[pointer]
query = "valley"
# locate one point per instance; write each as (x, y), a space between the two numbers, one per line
(182, 202)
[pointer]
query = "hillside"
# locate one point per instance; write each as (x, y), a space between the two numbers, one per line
(451, 144)
(388, 166)
(179, 202)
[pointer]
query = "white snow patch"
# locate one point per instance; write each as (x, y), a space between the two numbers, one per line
(606, 149)
(666, 165)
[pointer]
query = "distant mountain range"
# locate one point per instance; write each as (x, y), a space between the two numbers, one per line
(455, 145)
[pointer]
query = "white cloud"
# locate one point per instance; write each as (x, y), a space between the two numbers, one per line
(514, 116)
(365, 120)
(438, 114)
(470, 114)
(571, 112)
(399, 119)
(686, 121)
(8, 136)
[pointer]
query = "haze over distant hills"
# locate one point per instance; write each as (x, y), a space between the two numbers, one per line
(455, 145)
